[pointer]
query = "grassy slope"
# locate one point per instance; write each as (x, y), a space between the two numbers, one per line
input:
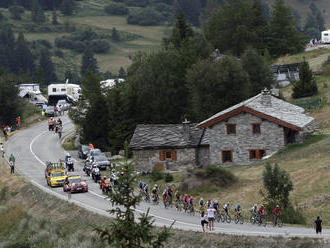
(31, 217)
(308, 163)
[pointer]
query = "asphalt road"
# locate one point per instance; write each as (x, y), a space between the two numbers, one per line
(34, 146)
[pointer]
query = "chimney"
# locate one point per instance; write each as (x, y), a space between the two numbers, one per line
(266, 98)
(186, 129)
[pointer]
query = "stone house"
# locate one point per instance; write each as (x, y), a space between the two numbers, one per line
(253, 129)
(241, 134)
(166, 146)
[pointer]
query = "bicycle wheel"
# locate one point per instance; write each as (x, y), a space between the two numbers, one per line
(279, 222)
(217, 217)
(228, 218)
(236, 219)
(252, 219)
(241, 220)
(222, 217)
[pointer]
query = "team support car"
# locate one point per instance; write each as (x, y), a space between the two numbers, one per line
(101, 162)
(83, 151)
(51, 166)
(75, 184)
(56, 177)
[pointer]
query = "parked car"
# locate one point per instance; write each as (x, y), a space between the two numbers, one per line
(101, 162)
(50, 111)
(83, 151)
(75, 184)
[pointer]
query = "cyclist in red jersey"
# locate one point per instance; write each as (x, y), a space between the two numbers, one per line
(276, 213)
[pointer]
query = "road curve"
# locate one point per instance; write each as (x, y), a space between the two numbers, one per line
(35, 145)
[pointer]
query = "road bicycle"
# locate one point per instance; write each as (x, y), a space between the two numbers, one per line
(225, 217)
(238, 218)
(278, 221)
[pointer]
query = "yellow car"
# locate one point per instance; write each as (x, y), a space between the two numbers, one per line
(56, 178)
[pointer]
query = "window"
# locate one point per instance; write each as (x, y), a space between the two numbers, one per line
(63, 89)
(54, 90)
(231, 128)
(227, 156)
(326, 34)
(256, 129)
(257, 154)
(167, 155)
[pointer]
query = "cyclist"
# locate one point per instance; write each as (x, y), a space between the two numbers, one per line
(201, 204)
(261, 212)
(185, 200)
(141, 186)
(209, 202)
(238, 210)
(177, 196)
(154, 192)
(226, 208)
(216, 205)
(146, 191)
(191, 200)
(164, 196)
(276, 213)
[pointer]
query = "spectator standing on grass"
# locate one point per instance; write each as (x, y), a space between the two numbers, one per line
(12, 167)
(204, 221)
(318, 225)
(18, 122)
(2, 150)
(211, 218)
(4, 131)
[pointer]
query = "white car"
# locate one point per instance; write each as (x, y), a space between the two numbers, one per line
(65, 105)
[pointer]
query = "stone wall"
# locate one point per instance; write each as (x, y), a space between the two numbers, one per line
(203, 156)
(271, 139)
(146, 159)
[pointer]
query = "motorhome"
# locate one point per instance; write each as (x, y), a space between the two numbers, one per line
(68, 92)
(32, 93)
(325, 36)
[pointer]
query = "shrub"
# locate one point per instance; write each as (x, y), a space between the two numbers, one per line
(156, 174)
(100, 46)
(220, 176)
(137, 3)
(145, 17)
(169, 178)
(116, 9)
(16, 12)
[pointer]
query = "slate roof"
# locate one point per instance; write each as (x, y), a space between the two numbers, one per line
(277, 110)
(156, 136)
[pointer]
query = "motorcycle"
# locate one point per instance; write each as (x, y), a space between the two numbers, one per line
(96, 174)
(88, 169)
(69, 164)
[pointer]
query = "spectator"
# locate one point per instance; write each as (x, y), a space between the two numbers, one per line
(4, 131)
(318, 225)
(12, 158)
(12, 167)
(2, 150)
(211, 217)
(204, 221)
(18, 122)
(55, 111)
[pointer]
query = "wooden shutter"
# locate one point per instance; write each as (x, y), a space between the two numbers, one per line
(173, 155)
(162, 155)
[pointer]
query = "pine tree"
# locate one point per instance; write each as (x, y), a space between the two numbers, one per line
(115, 35)
(306, 86)
(7, 48)
(47, 66)
(54, 18)
(122, 73)
(88, 62)
(67, 7)
(181, 31)
(284, 37)
(24, 61)
(258, 69)
(37, 13)
(128, 230)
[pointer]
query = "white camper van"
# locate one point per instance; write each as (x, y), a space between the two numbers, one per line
(325, 36)
(69, 92)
